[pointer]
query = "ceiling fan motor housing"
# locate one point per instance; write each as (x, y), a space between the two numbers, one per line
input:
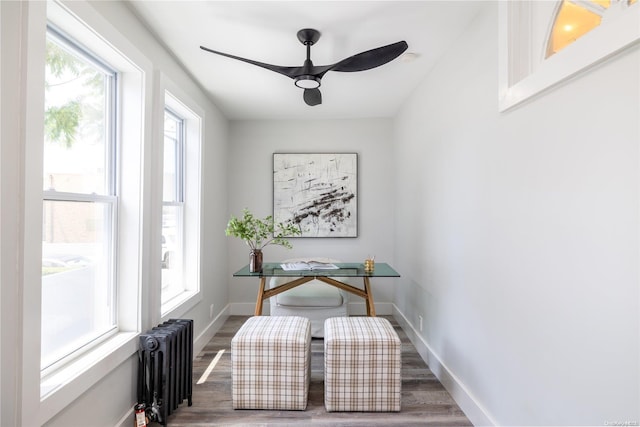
(308, 36)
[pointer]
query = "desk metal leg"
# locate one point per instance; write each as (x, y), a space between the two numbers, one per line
(263, 281)
(371, 309)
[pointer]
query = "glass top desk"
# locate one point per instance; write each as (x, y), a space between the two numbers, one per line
(299, 277)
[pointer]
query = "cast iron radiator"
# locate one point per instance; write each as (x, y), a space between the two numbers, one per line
(165, 368)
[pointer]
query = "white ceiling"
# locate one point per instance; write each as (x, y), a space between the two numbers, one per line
(265, 31)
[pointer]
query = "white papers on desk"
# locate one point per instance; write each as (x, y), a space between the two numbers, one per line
(309, 265)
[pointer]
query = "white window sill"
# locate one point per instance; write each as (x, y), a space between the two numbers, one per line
(61, 387)
(180, 304)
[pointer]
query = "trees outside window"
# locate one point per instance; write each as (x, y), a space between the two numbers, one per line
(79, 200)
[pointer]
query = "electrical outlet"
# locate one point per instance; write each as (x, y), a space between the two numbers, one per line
(211, 311)
(420, 323)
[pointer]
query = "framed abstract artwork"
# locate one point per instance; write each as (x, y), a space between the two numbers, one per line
(317, 192)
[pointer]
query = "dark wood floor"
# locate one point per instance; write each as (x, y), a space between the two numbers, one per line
(424, 400)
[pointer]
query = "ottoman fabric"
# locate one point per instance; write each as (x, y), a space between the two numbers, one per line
(362, 365)
(271, 363)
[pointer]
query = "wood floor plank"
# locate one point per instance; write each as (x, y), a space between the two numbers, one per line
(425, 402)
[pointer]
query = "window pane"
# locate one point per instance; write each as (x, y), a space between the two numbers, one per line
(172, 158)
(78, 280)
(181, 205)
(172, 252)
(572, 22)
(173, 206)
(76, 152)
(77, 296)
(603, 3)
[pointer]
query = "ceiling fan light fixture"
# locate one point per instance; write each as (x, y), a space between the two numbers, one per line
(307, 81)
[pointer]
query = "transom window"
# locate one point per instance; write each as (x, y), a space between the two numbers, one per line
(543, 43)
(79, 200)
(575, 18)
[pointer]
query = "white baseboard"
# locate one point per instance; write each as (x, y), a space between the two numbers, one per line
(205, 336)
(127, 420)
(476, 413)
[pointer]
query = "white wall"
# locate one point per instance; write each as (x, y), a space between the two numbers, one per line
(251, 148)
(10, 209)
(109, 395)
(518, 238)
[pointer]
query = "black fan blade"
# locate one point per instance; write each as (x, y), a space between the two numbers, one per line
(312, 96)
(371, 58)
(290, 72)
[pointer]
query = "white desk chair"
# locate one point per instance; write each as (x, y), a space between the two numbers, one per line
(314, 300)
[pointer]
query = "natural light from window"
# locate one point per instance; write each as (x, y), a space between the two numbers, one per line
(181, 181)
(173, 207)
(79, 205)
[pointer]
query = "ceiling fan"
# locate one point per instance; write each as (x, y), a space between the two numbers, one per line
(308, 76)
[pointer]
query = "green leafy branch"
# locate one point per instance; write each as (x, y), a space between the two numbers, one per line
(258, 233)
(62, 122)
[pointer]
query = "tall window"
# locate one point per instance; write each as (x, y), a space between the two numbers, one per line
(173, 207)
(79, 202)
(180, 256)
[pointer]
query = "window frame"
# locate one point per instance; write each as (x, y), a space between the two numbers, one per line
(193, 117)
(134, 91)
(519, 50)
(179, 184)
(179, 202)
(110, 198)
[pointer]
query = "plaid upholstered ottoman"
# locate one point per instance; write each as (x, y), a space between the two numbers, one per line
(271, 363)
(362, 358)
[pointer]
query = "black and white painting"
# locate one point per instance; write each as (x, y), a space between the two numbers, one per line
(317, 192)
